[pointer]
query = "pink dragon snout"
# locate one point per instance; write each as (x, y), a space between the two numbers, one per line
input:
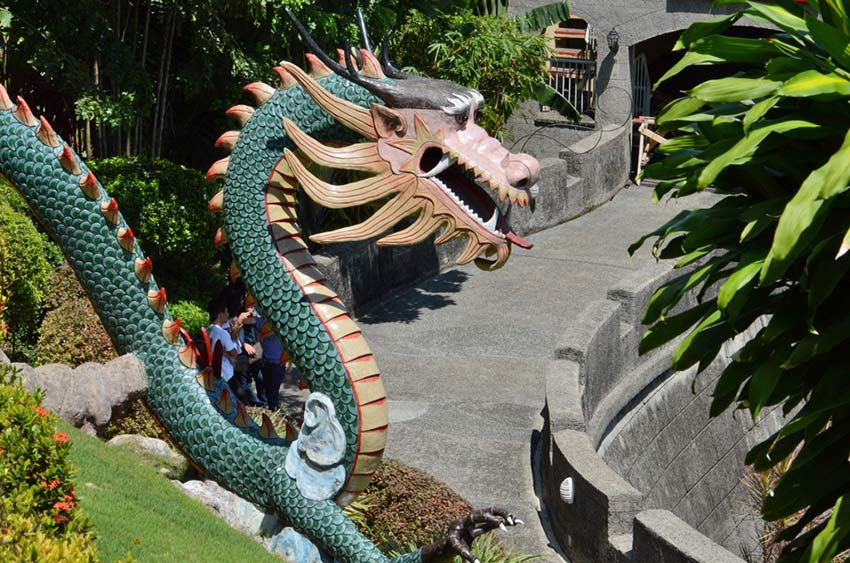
(522, 170)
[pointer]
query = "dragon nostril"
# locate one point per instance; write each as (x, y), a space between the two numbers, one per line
(519, 174)
(430, 158)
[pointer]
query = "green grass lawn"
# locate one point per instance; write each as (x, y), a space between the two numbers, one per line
(136, 510)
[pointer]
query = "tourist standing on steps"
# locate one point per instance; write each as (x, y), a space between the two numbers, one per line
(272, 367)
(218, 317)
(241, 326)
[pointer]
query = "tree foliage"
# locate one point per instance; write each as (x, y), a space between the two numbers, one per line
(24, 270)
(153, 77)
(773, 139)
(489, 53)
(166, 204)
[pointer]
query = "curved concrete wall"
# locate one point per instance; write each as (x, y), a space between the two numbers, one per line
(652, 474)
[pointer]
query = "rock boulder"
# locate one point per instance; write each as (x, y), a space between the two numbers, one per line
(89, 394)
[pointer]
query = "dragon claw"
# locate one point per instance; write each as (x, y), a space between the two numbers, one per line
(462, 531)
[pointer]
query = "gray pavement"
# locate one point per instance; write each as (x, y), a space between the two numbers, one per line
(463, 354)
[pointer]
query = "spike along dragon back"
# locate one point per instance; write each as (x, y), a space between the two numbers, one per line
(414, 143)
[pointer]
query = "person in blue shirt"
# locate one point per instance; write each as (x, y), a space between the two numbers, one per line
(273, 366)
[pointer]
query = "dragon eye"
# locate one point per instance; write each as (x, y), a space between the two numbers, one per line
(462, 118)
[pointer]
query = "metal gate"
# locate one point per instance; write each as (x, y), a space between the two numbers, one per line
(641, 86)
(575, 79)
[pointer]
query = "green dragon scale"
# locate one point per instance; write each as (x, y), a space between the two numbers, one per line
(423, 156)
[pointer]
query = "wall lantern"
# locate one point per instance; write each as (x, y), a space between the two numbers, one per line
(567, 490)
(613, 41)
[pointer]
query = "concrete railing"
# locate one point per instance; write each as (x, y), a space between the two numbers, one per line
(651, 474)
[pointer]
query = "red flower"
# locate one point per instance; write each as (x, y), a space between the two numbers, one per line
(40, 411)
(60, 437)
(61, 505)
(60, 518)
(51, 485)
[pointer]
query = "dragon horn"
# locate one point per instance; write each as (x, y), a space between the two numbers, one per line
(383, 90)
(388, 68)
(361, 23)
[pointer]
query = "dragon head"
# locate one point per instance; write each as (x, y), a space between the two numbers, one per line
(426, 156)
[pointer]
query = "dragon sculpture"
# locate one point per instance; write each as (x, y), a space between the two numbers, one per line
(416, 147)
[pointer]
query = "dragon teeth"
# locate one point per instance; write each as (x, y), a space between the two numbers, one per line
(441, 166)
(491, 223)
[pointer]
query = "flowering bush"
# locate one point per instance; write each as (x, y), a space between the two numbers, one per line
(39, 517)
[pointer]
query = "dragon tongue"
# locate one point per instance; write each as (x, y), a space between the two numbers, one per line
(518, 240)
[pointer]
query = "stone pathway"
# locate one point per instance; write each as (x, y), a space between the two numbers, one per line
(464, 354)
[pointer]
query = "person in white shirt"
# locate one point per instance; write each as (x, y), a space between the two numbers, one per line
(218, 317)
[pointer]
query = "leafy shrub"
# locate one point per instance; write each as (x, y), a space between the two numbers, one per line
(24, 271)
(773, 139)
(406, 506)
(136, 420)
(404, 509)
(488, 53)
(71, 332)
(166, 206)
(39, 517)
(193, 316)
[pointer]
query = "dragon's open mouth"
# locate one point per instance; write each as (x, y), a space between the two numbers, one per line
(466, 190)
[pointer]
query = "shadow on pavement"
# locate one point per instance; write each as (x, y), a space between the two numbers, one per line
(405, 306)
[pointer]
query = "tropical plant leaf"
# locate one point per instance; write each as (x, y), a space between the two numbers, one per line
(703, 341)
(727, 386)
(671, 327)
(744, 149)
(689, 142)
(733, 293)
(758, 111)
(813, 83)
(834, 13)
(787, 232)
(763, 382)
(734, 89)
(678, 109)
(543, 16)
(778, 16)
(814, 344)
(823, 275)
(700, 29)
(782, 68)
(805, 212)
(828, 542)
(548, 96)
(667, 296)
(718, 49)
(832, 40)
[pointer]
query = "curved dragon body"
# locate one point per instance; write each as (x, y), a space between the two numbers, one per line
(415, 161)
